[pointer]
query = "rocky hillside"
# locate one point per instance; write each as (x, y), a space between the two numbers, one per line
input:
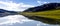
(49, 6)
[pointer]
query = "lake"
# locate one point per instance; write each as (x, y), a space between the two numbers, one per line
(20, 20)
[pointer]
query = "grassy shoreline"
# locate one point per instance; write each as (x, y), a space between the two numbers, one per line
(53, 14)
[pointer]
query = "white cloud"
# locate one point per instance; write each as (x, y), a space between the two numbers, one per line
(13, 19)
(40, 2)
(40, 24)
(44, 24)
(14, 6)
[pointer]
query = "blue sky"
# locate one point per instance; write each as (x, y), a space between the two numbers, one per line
(21, 5)
(31, 2)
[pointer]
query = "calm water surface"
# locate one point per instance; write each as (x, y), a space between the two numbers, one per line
(20, 20)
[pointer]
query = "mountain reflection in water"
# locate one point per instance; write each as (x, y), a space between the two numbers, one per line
(45, 20)
(20, 20)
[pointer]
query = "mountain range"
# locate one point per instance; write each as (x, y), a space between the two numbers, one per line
(6, 13)
(44, 7)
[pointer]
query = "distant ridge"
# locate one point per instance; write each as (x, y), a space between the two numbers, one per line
(6, 13)
(44, 7)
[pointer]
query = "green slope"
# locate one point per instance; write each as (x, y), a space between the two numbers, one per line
(53, 14)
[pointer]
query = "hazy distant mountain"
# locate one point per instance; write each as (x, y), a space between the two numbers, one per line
(49, 6)
(6, 13)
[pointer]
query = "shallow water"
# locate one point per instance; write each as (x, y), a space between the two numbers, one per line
(20, 20)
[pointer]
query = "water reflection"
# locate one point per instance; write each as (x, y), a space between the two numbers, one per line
(45, 20)
(20, 20)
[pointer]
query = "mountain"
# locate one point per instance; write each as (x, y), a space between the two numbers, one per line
(6, 13)
(47, 13)
(44, 7)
